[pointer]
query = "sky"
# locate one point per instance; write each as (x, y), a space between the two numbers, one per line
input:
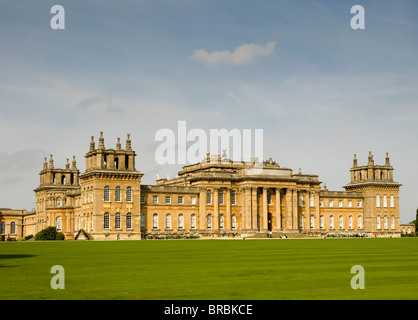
(320, 90)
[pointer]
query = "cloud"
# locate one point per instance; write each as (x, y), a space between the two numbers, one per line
(244, 54)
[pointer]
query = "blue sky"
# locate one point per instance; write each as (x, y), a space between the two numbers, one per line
(321, 91)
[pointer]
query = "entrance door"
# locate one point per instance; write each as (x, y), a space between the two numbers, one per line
(270, 222)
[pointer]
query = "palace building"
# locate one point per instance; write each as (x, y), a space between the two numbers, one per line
(214, 198)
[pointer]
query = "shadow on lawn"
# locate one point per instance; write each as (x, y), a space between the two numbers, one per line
(14, 256)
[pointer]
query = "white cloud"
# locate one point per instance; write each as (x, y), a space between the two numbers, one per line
(242, 55)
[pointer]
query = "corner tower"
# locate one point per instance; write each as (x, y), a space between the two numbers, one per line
(381, 195)
(110, 192)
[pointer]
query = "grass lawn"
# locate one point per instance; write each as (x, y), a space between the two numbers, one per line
(211, 269)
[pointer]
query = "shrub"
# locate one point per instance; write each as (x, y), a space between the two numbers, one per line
(59, 236)
(29, 237)
(46, 234)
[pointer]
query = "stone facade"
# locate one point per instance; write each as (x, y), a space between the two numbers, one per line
(214, 198)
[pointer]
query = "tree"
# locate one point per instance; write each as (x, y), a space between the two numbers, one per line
(48, 233)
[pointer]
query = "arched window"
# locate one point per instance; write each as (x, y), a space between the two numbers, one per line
(181, 221)
(321, 222)
(209, 221)
(377, 201)
(59, 203)
(193, 221)
(359, 222)
(117, 194)
(392, 222)
(106, 220)
(106, 194)
(59, 224)
(341, 220)
(155, 221)
(234, 221)
(221, 221)
(129, 220)
(378, 222)
(63, 180)
(385, 203)
(13, 228)
(350, 222)
(208, 197)
(385, 222)
(168, 221)
(331, 222)
(3, 228)
(392, 201)
(221, 197)
(128, 194)
(117, 221)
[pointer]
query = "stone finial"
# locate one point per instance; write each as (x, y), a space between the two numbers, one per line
(371, 161)
(45, 164)
(92, 144)
(157, 176)
(387, 162)
(300, 171)
(74, 164)
(118, 145)
(67, 165)
(51, 162)
(101, 141)
(128, 142)
(355, 161)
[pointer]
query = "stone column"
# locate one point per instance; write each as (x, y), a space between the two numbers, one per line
(278, 211)
(295, 209)
(227, 220)
(242, 192)
(264, 216)
(247, 208)
(215, 219)
(308, 210)
(254, 208)
(202, 209)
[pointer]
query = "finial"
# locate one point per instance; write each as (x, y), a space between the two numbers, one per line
(101, 141)
(92, 144)
(45, 163)
(74, 164)
(118, 145)
(67, 165)
(157, 176)
(371, 161)
(128, 142)
(51, 162)
(355, 161)
(387, 162)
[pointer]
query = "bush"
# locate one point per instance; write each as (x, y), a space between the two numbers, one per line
(29, 237)
(3, 237)
(59, 236)
(46, 234)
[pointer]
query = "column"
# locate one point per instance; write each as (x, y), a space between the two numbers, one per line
(295, 209)
(288, 218)
(254, 208)
(278, 211)
(307, 210)
(264, 216)
(215, 219)
(242, 192)
(247, 208)
(227, 201)
(202, 209)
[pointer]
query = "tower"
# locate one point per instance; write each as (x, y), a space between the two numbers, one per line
(110, 192)
(381, 195)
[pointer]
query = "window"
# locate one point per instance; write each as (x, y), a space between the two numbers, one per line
(350, 222)
(359, 204)
(3, 228)
(300, 199)
(359, 222)
(378, 222)
(268, 197)
(341, 220)
(180, 200)
(193, 200)
(154, 199)
(168, 221)
(181, 221)
(59, 224)
(331, 222)
(117, 221)
(221, 221)
(167, 200)
(117, 194)
(301, 222)
(312, 222)
(234, 221)
(311, 199)
(142, 221)
(331, 203)
(155, 221)
(392, 201)
(129, 220)
(233, 197)
(321, 203)
(193, 221)
(106, 194)
(209, 221)
(377, 201)
(392, 222)
(385, 203)
(385, 222)
(128, 194)
(106, 220)
(13, 228)
(340, 203)
(208, 197)
(142, 199)
(221, 197)
(321, 222)
(59, 202)
(350, 203)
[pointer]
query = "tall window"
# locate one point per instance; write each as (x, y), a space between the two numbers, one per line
(359, 224)
(385, 222)
(142, 199)
(59, 204)
(117, 194)
(377, 201)
(3, 228)
(350, 222)
(168, 221)
(221, 197)
(312, 222)
(13, 228)
(209, 221)
(155, 221)
(142, 222)
(311, 199)
(154, 199)
(106, 220)
(331, 222)
(117, 221)
(181, 221)
(321, 222)
(167, 199)
(208, 197)
(341, 220)
(392, 222)
(233, 197)
(180, 200)
(59, 224)
(340, 203)
(129, 220)
(378, 222)
(128, 194)
(350, 203)
(234, 221)
(221, 221)
(300, 199)
(193, 200)
(193, 221)
(392, 201)
(106, 194)
(385, 202)
(268, 197)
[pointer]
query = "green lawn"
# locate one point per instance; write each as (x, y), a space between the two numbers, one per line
(211, 269)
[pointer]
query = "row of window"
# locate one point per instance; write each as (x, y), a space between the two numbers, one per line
(385, 201)
(340, 203)
(193, 221)
(385, 222)
(118, 197)
(106, 220)
(12, 228)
